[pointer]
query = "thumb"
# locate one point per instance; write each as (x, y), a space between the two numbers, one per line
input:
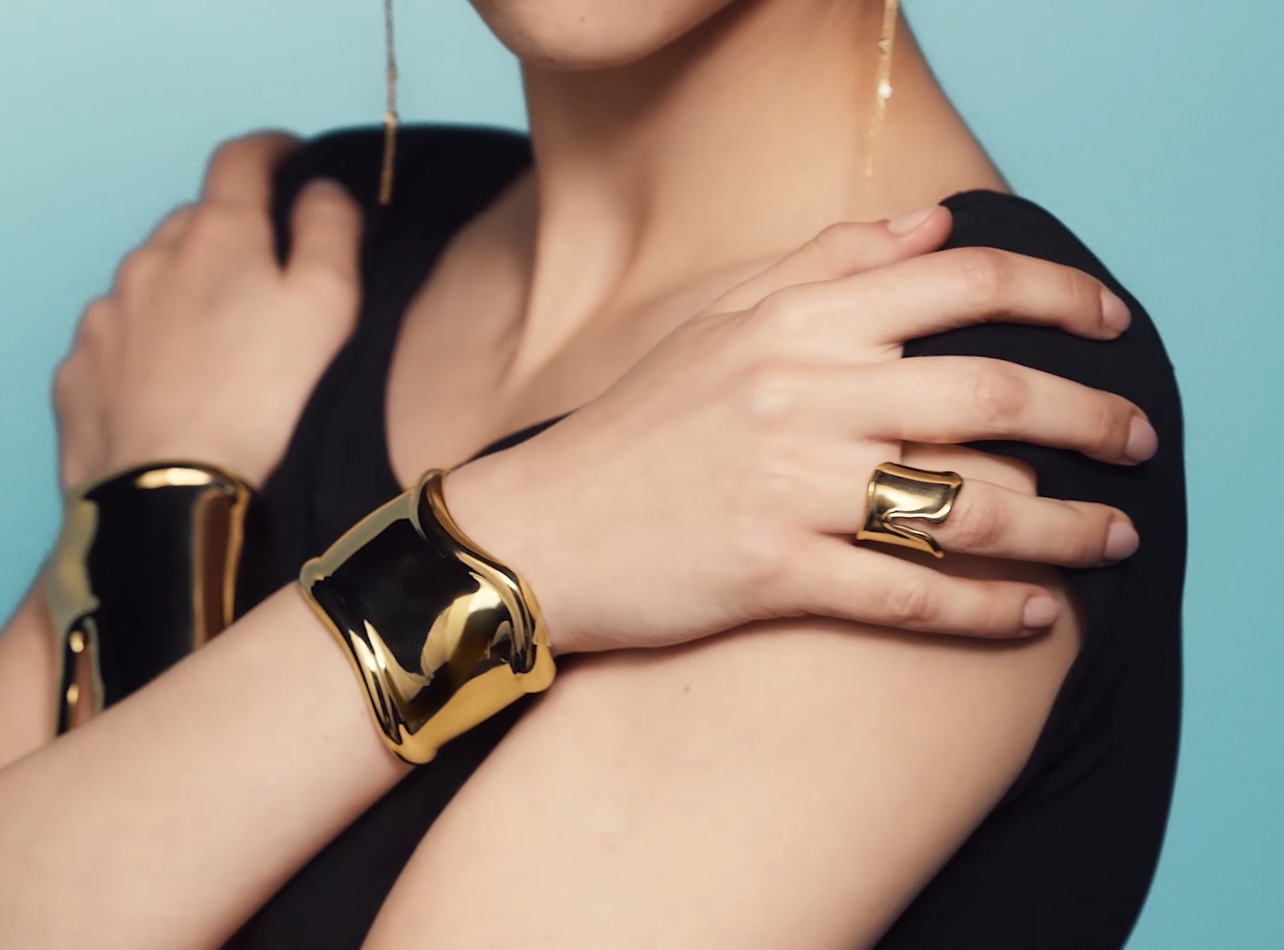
(842, 250)
(326, 225)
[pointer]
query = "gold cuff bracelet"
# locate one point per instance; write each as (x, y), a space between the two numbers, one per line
(142, 574)
(441, 635)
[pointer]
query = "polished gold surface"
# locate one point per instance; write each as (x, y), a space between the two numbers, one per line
(202, 519)
(441, 635)
(898, 492)
(174, 476)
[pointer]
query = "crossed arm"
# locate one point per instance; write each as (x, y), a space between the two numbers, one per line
(791, 784)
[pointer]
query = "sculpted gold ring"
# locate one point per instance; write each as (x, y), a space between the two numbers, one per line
(898, 492)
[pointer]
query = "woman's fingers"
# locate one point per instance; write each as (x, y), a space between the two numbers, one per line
(170, 231)
(240, 172)
(326, 225)
(980, 284)
(838, 579)
(986, 520)
(956, 399)
(933, 293)
(989, 521)
(842, 250)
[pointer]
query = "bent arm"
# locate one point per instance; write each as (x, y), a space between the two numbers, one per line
(794, 784)
(168, 819)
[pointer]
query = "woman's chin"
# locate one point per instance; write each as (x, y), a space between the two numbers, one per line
(586, 35)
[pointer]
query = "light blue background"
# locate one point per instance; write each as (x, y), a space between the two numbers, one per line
(1153, 127)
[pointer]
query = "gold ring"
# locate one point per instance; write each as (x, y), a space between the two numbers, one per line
(898, 491)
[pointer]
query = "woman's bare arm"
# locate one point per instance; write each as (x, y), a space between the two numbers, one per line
(793, 785)
(176, 813)
(167, 820)
(27, 701)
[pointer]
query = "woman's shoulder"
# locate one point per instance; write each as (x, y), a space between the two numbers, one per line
(1135, 366)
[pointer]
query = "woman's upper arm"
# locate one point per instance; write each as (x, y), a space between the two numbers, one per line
(793, 784)
(26, 679)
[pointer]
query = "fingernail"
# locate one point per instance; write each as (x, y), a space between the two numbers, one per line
(910, 221)
(1142, 441)
(1121, 541)
(1040, 613)
(1114, 312)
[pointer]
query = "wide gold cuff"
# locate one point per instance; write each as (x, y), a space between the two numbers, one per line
(142, 574)
(441, 635)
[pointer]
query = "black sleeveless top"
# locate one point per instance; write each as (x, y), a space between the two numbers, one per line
(1064, 860)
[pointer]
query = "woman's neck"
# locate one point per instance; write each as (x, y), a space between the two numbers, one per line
(732, 145)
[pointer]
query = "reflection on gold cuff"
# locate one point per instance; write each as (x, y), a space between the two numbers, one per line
(441, 635)
(143, 573)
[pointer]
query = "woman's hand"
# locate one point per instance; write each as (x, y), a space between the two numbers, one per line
(721, 480)
(206, 349)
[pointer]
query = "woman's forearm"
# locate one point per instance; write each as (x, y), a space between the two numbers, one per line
(26, 678)
(167, 820)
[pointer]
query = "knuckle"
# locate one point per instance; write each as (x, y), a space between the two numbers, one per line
(1113, 419)
(98, 312)
(1086, 544)
(70, 380)
(778, 316)
(984, 273)
(764, 553)
(838, 245)
(979, 526)
(135, 269)
(96, 322)
(228, 150)
(214, 226)
(210, 224)
(230, 153)
(909, 603)
(770, 392)
(999, 395)
(1084, 296)
(998, 613)
(64, 383)
(176, 221)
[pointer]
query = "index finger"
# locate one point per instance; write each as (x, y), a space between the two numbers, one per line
(842, 250)
(970, 285)
(240, 171)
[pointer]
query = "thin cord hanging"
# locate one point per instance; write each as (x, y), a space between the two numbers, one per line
(390, 106)
(883, 93)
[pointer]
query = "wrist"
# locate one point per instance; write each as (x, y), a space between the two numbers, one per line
(241, 465)
(494, 502)
(441, 634)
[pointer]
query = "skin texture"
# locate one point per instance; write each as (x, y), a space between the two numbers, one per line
(803, 777)
(583, 34)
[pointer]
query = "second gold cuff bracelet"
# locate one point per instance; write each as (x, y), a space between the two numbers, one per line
(441, 634)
